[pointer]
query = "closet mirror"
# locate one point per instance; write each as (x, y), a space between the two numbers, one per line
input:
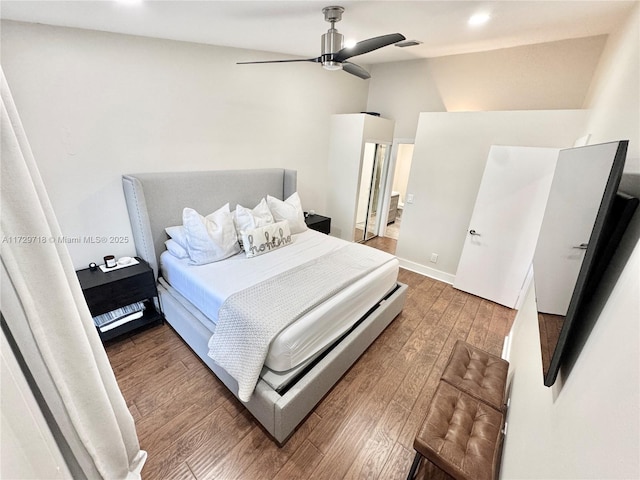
(372, 180)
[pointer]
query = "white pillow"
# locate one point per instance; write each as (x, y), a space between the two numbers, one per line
(175, 249)
(178, 234)
(211, 238)
(290, 210)
(247, 219)
(266, 239)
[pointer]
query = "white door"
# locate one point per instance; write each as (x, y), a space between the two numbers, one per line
(505, 223)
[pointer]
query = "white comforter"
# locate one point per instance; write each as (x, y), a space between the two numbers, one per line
(215, 282)
(250, 319)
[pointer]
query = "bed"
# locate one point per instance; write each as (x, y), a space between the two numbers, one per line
(298, 371)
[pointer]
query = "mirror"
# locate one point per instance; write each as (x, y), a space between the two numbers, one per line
(370, 191)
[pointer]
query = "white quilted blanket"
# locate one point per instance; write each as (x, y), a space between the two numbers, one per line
(250, 319)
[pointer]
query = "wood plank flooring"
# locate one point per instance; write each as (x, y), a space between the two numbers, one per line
(193, 428)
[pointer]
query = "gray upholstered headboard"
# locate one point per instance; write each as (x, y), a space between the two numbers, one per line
(156, 200)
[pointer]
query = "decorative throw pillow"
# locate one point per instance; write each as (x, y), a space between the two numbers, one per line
(178, 234)
(247, 219)
(211, 238)
(290, 210)
(175, 249)
(266, 239)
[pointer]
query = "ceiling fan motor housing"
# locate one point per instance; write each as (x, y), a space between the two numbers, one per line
(332, 41)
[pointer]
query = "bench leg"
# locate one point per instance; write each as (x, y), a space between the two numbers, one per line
(414, 466)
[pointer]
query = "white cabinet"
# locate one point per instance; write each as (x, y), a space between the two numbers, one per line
(352, 138)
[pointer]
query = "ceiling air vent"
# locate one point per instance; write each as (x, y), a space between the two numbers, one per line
(408, 43)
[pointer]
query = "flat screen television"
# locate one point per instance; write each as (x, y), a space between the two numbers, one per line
(583, 222)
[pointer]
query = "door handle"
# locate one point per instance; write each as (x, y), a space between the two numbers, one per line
(582, 246)
(473, 232)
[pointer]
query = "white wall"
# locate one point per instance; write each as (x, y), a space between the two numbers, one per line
(588, 424)
(587, 428)
(554, 75)
(401, 90)
(448, 162)
(614, 97)
(96, 105)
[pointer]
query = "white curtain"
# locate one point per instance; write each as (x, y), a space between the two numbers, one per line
(44, 308)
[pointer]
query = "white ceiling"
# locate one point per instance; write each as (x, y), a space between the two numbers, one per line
(295, 27)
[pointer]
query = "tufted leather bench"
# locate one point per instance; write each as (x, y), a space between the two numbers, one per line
(477, 373)
(462, 431)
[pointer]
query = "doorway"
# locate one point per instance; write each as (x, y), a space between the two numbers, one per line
(402, 156)
(394, 196)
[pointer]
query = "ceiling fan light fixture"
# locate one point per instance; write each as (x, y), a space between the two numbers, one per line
(329, 65)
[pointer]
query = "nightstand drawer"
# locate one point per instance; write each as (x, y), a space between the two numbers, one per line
(108, 297)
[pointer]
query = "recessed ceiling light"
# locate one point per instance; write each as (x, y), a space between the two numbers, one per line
(479, 19)
(129, 2)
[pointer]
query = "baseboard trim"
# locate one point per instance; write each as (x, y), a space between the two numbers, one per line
(506, 347)
(427, 271)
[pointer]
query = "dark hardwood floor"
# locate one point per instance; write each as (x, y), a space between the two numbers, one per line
(193, 428)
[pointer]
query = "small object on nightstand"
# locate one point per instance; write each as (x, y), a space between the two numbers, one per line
(109, 261)
(121, 300)
(317, 222)
(124, 260)
(93, 266)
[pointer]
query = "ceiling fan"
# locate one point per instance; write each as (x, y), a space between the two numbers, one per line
(334, 56)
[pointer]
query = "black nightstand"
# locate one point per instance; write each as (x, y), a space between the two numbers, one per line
(318, 223)
(108, 291)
